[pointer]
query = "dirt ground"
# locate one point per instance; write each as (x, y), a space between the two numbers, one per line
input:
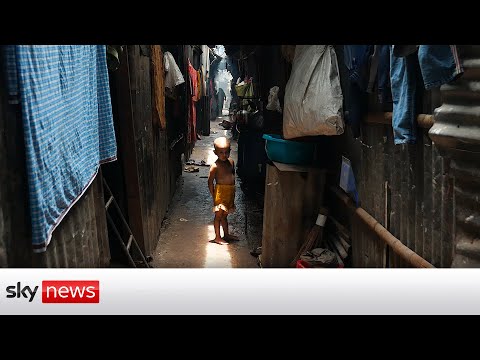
(184, 241)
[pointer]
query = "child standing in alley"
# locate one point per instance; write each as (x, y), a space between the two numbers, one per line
(221, 183)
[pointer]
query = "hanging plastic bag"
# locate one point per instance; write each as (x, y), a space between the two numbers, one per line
(313, 95)
(273, 102)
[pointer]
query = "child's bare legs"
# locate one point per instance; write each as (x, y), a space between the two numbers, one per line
(216, 224)
(226, 235)
(224, 223)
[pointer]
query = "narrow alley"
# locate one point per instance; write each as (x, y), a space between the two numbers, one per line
(188, 227)
(189, 173)
(106, 150)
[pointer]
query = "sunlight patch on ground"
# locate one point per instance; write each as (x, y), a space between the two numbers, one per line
(217, 256)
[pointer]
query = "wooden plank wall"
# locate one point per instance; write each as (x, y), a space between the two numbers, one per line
(152, 149)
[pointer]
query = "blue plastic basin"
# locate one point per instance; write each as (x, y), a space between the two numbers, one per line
(288, 151)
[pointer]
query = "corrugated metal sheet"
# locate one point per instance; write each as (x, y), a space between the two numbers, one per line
(79, 241)
(457, 132)
(406, 189)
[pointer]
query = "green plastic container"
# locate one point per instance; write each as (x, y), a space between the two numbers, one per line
(288, 151)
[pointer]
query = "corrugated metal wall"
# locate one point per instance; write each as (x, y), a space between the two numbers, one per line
(407, 189)
(81, 238)
(457, 131)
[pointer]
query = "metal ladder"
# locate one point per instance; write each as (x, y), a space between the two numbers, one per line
(126, 246)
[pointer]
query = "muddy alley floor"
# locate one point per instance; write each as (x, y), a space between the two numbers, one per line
(184, 240)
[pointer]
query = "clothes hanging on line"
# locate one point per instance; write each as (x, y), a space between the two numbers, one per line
(439, 65)
(68, 128)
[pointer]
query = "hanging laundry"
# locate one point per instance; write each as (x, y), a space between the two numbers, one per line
(64, 95)
(173, 75)
(356, 58)
(404, 50)
(439, 64)
(200, 84)
(205, 66)
(379, 76)
(192, 115)
(159, 117)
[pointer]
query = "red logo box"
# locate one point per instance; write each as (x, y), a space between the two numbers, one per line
(71, 291)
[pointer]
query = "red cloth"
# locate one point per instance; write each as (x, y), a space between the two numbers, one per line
(192, 114)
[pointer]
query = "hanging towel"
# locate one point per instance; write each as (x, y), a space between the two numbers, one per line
(64, 94)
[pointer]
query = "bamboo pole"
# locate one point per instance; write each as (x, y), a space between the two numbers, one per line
(403, 251)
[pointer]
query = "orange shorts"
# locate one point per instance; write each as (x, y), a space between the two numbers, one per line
(224, 198)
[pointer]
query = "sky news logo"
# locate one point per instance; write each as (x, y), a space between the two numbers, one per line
(58, 291)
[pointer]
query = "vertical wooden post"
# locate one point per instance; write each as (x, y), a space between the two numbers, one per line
(129, 156)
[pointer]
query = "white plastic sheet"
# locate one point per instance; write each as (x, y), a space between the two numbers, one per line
(313, 95)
